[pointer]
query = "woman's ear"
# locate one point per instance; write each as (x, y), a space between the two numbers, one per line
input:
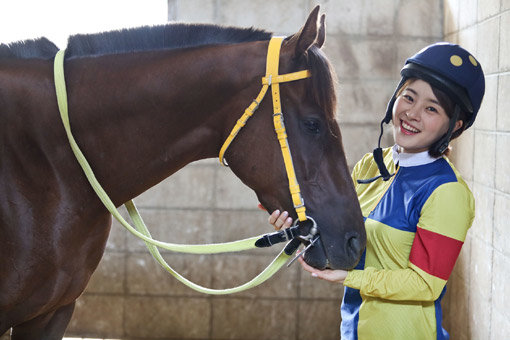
(458, 125)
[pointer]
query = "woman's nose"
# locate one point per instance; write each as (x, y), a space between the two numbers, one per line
(413, 113)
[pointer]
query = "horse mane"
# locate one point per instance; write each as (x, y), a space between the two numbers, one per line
(323, 81)
(174, 36)
(145, 38)
(169, 36)
(40, 48)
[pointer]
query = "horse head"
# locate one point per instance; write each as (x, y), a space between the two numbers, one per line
(314, 138)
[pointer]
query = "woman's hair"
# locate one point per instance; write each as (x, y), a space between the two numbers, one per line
(449, 106)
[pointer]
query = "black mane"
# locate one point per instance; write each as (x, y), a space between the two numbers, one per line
(323, 90)
(40, 48)
(174, 36)
(145, 38)
(170, 36)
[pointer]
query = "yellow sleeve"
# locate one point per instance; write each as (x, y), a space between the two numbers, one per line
(444, 220)
(356, 171)
(398, 285)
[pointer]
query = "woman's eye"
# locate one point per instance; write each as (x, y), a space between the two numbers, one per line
(432, 109)
(408, 97)
(312, 126)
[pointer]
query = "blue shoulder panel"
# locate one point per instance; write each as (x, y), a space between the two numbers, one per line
(401, 205)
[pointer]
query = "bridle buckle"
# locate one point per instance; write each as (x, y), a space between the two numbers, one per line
(313, 230)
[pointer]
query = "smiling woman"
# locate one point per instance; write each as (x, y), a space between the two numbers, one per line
(417, 218)
(418, 117)
(57, 19)
(419, 104)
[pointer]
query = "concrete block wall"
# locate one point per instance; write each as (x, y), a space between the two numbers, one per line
(131, 297)
(479, 296)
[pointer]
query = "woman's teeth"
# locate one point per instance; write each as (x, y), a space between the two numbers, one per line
(409, 127)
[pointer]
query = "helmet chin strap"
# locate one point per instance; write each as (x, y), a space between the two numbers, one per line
(378, 157)
(442, 143)
(379, 160)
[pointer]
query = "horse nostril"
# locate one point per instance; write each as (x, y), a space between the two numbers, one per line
(354, 245)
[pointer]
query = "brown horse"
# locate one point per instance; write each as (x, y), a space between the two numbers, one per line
(144, 103)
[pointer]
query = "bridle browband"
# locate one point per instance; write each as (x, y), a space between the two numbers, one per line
(273, 79)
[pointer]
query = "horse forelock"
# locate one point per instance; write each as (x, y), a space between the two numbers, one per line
(169, 36)
(323, 90)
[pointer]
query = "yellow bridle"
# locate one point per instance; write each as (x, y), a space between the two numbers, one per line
(273, 79)
(140, 230)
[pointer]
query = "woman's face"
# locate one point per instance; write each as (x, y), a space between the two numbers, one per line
(418, 119)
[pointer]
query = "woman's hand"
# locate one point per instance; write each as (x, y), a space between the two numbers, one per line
(337, 275)
(280, 220)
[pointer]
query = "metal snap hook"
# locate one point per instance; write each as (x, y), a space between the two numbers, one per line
(313, 230)
(304, 250)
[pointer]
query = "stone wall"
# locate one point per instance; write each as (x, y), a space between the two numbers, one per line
(479, 294)
(367, 42)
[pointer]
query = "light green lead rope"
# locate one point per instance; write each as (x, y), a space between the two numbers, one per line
(141, 230)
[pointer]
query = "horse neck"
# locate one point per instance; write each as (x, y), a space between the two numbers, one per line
(142, 117)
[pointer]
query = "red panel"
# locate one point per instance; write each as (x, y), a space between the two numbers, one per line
(434, 253)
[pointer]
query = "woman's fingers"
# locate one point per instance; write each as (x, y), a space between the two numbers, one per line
(287, 223)
(326, 274)
(273, 217)
(306, 266)
(280, 220)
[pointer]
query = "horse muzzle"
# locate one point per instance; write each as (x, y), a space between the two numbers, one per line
(335, 254)
(343, 255)
(323, 252)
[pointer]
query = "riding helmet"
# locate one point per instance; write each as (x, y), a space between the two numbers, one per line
(451, 69)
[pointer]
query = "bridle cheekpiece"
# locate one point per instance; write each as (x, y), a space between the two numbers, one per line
(273, 79)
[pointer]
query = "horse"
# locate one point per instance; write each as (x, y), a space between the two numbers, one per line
(143, 103)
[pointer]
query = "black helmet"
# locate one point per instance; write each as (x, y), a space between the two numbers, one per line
(451, 69)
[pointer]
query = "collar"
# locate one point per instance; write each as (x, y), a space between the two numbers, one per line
(411, 159)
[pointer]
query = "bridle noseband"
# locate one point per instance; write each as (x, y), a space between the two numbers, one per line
(273, 79)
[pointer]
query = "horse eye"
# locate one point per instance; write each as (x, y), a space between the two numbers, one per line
(312, 126)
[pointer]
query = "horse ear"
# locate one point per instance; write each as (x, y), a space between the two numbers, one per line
(321, 37)
(308, 33)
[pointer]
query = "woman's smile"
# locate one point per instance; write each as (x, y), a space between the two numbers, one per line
(407, 128)
(418, 118)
